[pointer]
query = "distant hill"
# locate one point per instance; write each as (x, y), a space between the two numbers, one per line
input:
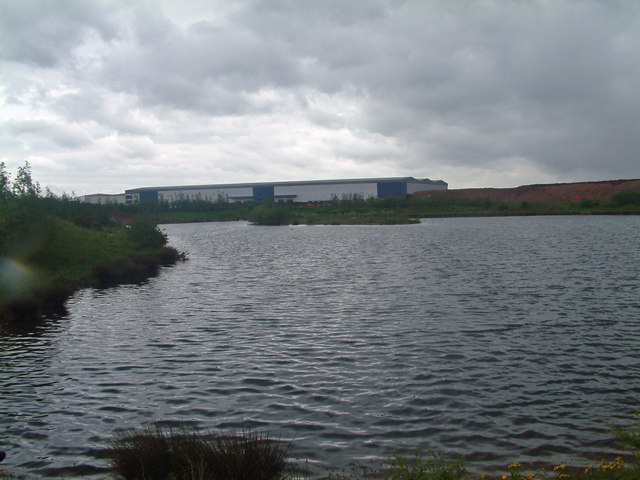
(556, 192)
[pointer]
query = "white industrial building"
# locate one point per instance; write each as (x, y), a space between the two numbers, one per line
(299, 192)
(104, 198)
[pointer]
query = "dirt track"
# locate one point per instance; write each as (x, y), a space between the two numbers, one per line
(557, 192)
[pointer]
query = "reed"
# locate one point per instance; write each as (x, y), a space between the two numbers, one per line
(158, 453)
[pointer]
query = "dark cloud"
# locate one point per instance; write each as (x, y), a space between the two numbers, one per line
(391, 87)
(46, 33)
(67, 136)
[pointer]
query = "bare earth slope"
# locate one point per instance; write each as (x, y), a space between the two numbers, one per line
(557, 192)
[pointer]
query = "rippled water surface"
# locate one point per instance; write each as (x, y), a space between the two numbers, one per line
(497, 338)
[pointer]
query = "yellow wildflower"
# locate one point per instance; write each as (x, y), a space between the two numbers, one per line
(620, 461)
(529, 476)
(559, 467)
(485, 476)
(589, 468)
(514, 465)
(504, 477)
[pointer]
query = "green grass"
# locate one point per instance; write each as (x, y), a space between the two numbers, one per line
(45, 255)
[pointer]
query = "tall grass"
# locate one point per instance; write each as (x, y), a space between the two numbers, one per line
(158, 453)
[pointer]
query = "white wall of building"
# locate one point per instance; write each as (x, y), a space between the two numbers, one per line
(325, 192)
(302, 192)
(208, 194)
(104, 198)
(413, 187)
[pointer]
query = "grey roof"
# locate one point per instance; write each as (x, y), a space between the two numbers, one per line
(294, 183)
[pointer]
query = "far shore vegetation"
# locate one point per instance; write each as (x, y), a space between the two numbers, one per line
(356, 210)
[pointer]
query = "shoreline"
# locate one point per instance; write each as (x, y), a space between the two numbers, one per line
(36, 304)
(303, 215)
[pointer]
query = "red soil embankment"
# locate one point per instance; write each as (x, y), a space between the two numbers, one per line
(557, 192)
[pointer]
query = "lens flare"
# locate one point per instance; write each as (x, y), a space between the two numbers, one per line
(15, 277)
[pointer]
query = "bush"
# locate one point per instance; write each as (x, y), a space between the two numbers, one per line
(270, 214)
(169, 256)
(146, 235)
(626, 198)
(156, 453)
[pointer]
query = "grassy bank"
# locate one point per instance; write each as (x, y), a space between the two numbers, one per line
(50, 247)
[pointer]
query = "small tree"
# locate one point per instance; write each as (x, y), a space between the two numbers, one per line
(23, 185)
(145, 234)
(5, 189)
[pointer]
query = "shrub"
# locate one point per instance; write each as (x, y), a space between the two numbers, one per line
(434, 468)
(626, 198)
(156, 453)
(630, 438)
(169, 256)
(146, 235)
(269, 214)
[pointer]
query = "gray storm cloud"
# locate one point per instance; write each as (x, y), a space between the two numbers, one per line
(476, 93)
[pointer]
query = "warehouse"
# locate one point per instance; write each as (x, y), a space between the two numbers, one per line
(297, 192)
(104, 198)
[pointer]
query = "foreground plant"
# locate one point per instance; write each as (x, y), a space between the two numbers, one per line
(400, 468)
(630, 438)
(434, 468)
(612, 470)
(6, 474)
(156, 453)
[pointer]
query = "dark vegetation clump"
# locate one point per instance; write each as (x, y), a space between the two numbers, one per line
(145, 234)
(270, 213)
(169, 256)
(124, 270)
(626, 198)
(157, 453)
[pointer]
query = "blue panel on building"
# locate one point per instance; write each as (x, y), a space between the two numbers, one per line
(392, 189)
(263, 193)
(149, 196)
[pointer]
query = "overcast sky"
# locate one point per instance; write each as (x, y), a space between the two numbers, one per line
(99, 96)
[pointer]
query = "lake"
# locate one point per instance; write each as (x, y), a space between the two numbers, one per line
(500, 339)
